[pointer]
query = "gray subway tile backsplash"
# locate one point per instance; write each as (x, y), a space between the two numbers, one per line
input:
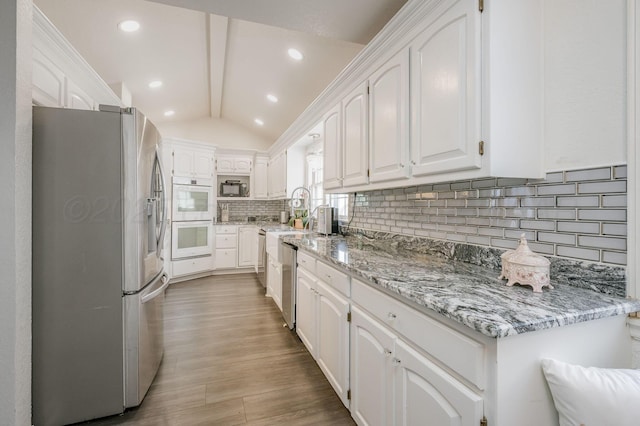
(577, 214)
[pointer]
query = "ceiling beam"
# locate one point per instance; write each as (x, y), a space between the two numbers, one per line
(217, 34)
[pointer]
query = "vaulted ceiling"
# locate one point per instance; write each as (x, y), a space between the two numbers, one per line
(219, 59)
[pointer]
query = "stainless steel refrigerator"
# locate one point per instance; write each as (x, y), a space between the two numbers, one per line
(99, 219)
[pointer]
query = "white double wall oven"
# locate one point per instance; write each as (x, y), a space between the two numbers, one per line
(193, 212)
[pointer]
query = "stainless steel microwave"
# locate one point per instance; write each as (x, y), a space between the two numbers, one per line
(233, 188)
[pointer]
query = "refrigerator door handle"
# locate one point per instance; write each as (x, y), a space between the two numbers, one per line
(165, 283)
(163, 200)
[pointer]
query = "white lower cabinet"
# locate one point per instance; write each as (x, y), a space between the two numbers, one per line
(322, 322)
(371, 372)
(247, 248)
(426, 395)
(274, 281)
(391, 383)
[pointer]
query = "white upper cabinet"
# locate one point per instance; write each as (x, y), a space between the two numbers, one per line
(241, 165)
(445, 93)
(192, 163)
(389, 120)
(48, 82)
(277, 181)
(78, 99)
(332, 165)
(259, 187)
(355, 113)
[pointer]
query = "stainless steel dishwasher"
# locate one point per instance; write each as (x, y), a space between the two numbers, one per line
(288, 257)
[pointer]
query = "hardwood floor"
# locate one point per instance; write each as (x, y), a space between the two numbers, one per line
(229, 361)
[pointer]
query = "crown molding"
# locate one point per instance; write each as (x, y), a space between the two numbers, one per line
(397, 34)
(50, 41)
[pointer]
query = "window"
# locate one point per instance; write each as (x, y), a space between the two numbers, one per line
(318, 197)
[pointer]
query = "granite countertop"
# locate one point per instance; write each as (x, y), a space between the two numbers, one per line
(466, 293)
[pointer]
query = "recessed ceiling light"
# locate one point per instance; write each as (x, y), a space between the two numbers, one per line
(272, 98)
(169, 113)
(129, 26)
(155, 84)
(259, 122)
(295, 54)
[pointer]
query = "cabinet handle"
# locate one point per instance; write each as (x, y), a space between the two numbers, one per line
(387, 352)
(395, 361)
(391, 316)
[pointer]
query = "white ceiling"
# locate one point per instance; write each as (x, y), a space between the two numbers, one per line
(214, 66)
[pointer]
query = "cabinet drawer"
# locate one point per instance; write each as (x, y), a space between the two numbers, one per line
(226, 258)
(306, 262)
(226, 241)
(191, 266)
(334, 278)
(462, 354)
(226, 229)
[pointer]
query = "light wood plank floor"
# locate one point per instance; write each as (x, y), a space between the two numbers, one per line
(229, 361)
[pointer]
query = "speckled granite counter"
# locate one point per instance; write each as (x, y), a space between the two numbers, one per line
(469, 294)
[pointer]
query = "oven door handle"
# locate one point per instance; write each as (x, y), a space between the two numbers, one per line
(165, 283)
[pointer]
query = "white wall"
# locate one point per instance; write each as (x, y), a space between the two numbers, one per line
(585, 80)
(15, 214)
(219, 132)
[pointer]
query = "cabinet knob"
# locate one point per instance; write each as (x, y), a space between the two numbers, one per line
(387, 352)
(395, 361)
(391, 316)
(402, 165)
(413, 163)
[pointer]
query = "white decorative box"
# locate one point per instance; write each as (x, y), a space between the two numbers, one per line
(524, 267)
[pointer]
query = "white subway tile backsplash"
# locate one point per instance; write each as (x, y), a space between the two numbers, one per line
(512, 233)
(620, 172)
(602, 187)
(614, 257)
(524, 213)
(540, 225)
(578, 253)
(556, 214)
(541, 248)
(564, 189)
(614, 229)
(591, 174)
(538, 202)
(579, 227)
(579, 214)
(588, 201)
(603, 242)
(557, 238)
(521, 191)
(555, 177)
(603, 214)
(614, 200)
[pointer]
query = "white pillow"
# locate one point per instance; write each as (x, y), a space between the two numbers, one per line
(593, 396)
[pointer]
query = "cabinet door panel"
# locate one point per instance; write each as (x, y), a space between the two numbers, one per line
(259, 188)
(356, 137)
(242, 165)
(202, 164)
(306, 311)
(371, 373)
(332, 166)
(389, 120)
(246, 247)
(428, 396)
(48, 82)
(77, 98)
(333, 339)
(182, 162)
(445, 94)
